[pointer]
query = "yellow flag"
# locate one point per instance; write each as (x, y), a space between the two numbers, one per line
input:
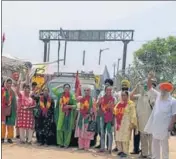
(97, 81)
(41, 69)
(39, 80)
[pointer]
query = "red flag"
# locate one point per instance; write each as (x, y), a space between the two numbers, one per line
(77, 86)
(3, 37)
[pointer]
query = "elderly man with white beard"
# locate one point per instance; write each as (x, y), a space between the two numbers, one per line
(161, 121)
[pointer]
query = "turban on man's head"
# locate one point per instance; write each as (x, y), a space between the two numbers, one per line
(166, 86)
(125, 83)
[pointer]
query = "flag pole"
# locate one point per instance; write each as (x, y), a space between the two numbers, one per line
(1, 47)
(2, 43)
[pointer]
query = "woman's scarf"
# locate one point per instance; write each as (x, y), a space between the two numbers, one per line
(84, 106)
(107, 105)
(119, 113)
(45, 104)
(8, 95)
(64, 101)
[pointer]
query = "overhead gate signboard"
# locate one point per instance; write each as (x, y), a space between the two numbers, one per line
(86, 35)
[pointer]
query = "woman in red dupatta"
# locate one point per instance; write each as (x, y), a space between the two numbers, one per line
(107, 103)
(86, 112)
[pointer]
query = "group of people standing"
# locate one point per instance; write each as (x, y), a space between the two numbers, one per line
(148, 113)
(27, 110)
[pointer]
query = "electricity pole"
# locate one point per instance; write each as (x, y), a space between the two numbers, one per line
(100, 52)
(118, 63)
(125, 44)
(48, 54)
(58, 56)
(65, 52)
(114, 66)
(83, 60)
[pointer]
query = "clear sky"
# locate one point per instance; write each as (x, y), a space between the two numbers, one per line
(21, 22)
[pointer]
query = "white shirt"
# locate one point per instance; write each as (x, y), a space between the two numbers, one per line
(143, 110)
(161, 116)
(152, 97)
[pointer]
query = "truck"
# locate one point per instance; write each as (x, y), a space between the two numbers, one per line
(86, 79)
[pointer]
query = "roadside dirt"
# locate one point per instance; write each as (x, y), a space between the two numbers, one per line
(16, 151)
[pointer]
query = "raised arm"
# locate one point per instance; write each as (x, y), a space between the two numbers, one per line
(18, 89)
(149, 83)
(27, 79)
(56, 91)
(133, 91)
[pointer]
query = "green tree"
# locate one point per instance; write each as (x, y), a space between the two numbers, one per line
(158, 55)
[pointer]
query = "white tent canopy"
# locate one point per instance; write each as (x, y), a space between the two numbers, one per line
(8, 60)
(10, 63)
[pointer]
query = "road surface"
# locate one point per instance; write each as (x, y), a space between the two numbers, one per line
(17, 151)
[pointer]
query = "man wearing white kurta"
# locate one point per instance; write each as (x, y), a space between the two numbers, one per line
(144, 110)
(161, 120)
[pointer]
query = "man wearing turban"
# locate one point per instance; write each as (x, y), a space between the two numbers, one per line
(161, 121)
(125, 86)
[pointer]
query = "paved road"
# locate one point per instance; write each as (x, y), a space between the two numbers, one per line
(17, 151)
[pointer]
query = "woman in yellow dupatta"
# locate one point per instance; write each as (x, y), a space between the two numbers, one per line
(125, 121)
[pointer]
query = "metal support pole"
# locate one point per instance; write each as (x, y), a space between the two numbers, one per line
(101, 50)
(100, 57)
(114, 66)
(48, 54)
(58, 56)
(45, 51)
(118, 63)
(65, 52)
(124, 55)
(2, 47)
(83, 60)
